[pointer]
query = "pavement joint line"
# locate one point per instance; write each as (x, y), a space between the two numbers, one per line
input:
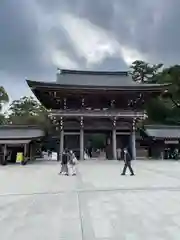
(79, 178)
(80, 216)
(162, 173)
(176, 189)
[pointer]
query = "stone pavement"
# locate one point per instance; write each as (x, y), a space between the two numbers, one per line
(37, 203)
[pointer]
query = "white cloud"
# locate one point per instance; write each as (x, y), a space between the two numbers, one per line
(62, 60)
(95, 44)
(89, 41)
(130, 55)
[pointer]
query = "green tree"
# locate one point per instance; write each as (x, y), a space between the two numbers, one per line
(172, 75)
(143, 72)
(4, 99)
(25, 106)
(28, 111)
(158, 109)
(2, 119)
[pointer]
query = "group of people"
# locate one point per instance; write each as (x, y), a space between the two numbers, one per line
(68, 163)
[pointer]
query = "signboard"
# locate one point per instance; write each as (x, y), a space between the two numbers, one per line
(54, 156)
(171, 142)
(19, 157)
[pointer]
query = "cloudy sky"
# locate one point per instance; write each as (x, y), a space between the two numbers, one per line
(37, 36)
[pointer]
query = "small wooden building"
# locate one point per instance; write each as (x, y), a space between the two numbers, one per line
(18, 138)
(161, 140)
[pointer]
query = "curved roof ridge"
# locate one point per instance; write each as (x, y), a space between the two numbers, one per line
(91, 72)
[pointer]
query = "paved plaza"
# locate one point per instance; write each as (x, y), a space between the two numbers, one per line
(98, 203)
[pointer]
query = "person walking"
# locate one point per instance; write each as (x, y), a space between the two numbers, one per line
(64, 167)
(72, 162)
(49, 155)
(127, 163)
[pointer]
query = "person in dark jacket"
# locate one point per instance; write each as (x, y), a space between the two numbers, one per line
(127, 162)
(64, 166)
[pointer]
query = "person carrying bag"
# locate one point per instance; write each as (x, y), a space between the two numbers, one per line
(72, 163)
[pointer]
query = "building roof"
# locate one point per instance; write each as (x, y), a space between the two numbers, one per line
(14, 142)
(74, 83)
(163, 131)
(14, 132)
(97, 78)
(93, 78)
(105, 79)
(76, 79)
(129, 87)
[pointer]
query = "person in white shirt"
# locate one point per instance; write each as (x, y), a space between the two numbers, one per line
(72, 162)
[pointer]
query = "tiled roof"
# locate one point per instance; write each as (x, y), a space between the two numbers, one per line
(163, 131)
(94, 78)
(11, 132)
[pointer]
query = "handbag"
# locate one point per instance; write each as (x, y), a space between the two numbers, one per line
(74, 160)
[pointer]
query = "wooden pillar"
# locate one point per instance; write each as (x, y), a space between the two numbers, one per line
(31, 151)
(25, 150)
(61, 144)
(133, 139)
(114, 140)
(82, 133)
(81, 139)
(5, 153)
(64, 103)
(82, 102)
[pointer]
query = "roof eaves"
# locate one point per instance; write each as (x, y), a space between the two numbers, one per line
(36, 84)
(12, 126)
(162, 127)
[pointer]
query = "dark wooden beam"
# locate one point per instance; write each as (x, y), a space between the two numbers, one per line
(98, 113)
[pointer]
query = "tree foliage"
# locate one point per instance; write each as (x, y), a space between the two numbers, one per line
(2, 119)
(160, 110)
(4, 99)
(143, 72)
(171, 75)
(28, 111)
(157, 111)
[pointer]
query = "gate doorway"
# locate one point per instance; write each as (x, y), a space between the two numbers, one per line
(71, 142)
(95, 144)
